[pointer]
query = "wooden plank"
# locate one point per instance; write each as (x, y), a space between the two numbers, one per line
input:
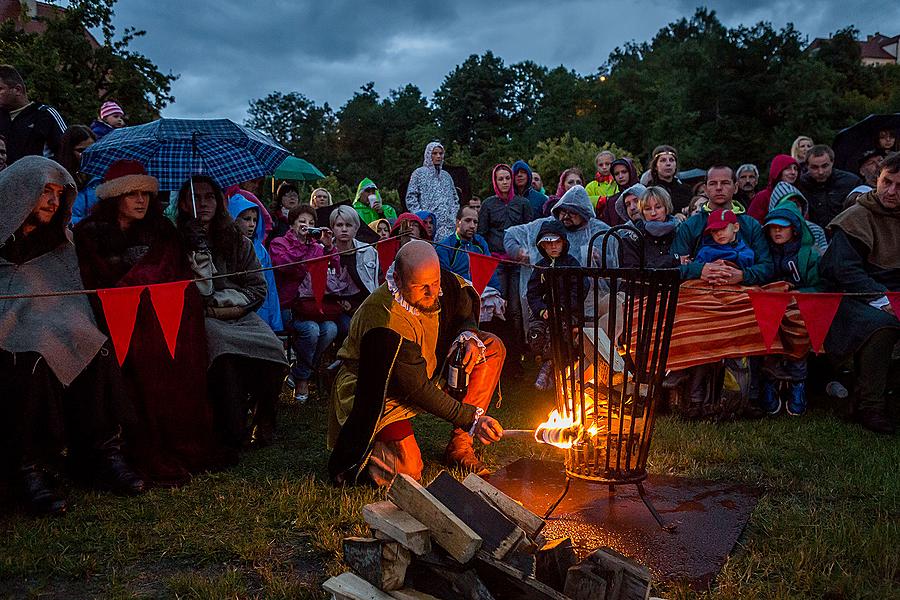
(499, 534)
(552, 562)
(447, 529)
(582, 583)
(381, 563)
(635, 578)
(398, 525)
(518, 514)
(348, 586)
(509, 582)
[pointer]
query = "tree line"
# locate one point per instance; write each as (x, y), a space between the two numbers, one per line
(718, 94)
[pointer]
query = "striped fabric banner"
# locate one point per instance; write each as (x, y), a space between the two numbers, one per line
(710, 326)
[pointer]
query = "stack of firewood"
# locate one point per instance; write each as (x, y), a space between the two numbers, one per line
(469, 540)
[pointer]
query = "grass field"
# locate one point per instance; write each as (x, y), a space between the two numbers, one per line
(827, 524)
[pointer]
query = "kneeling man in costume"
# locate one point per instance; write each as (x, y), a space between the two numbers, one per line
(391, 366)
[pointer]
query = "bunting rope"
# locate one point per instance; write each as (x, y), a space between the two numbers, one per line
(353, 250)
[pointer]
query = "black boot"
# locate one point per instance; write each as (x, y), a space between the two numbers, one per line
(41, 497)
(113, 472)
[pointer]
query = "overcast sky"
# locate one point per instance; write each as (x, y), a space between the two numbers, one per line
(228, 52)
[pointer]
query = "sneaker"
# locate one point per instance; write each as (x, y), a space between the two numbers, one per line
(796, 403)
(770, 401)
(301, 391)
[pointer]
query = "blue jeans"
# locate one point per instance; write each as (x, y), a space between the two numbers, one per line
(310, 340)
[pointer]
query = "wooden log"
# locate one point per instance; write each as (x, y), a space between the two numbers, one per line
(635, 578)
(582, 583)
(552, 563)
(507, 582)
(348, 586)
(398, 525)
(518, 514)
(447, 580)
(446, 528)
(499, 534)
(381, 563)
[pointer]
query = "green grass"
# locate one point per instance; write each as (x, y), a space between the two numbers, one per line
(827, 524)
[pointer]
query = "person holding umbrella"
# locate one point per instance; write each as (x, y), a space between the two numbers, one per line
(246, 359)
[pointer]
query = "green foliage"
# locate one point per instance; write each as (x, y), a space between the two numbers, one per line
(297, 123)
(62, 67)
(555, 155)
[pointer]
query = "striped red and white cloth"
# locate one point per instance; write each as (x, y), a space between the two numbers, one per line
(712, 325)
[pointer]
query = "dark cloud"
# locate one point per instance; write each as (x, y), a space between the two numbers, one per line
(228, 52)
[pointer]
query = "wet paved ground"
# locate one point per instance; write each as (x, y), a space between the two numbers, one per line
(709, 517)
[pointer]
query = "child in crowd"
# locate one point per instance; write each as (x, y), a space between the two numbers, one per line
(246, 216)
(721, 242)
(796, 261)
(382, 227)
(553, 244)
(111, 117)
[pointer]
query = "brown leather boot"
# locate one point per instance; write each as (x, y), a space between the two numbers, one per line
(461, 455)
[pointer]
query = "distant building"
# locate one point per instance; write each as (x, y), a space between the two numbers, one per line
(876, 50)
(27, 15)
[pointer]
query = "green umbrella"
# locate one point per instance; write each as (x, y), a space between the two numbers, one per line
(297, 169)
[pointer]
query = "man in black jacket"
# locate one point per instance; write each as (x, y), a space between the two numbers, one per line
(29, 127)
(825, 187)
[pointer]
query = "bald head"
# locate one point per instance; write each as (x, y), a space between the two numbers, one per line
(417, 272)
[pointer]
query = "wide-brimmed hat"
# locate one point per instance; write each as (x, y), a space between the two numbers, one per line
(126, 176)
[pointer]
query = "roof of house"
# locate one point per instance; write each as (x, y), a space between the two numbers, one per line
(13, 10)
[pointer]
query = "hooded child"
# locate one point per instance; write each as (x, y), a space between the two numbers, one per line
(522, 183)
(247, 216)
(431, 189)
(553, 244)
(625, 175)
(796, 261)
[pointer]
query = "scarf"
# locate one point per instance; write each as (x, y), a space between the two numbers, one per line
(659, 229)
(877, 227)
(601, 179)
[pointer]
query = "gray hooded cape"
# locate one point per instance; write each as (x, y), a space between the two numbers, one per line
(60, 328)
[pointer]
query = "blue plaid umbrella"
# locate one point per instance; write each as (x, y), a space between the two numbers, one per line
(174, 149)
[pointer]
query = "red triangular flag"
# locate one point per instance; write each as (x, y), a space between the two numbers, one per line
(318, 276)
(387, 251)
(168, 302)
(482, 268)
(894, 298)
(769, 308)
(120, 309)
(818, 312)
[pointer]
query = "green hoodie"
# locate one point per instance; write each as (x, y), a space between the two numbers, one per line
(366, 212)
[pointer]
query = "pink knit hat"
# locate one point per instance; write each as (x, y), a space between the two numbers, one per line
(110, 108)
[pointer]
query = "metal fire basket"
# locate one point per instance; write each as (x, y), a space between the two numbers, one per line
(610, 331)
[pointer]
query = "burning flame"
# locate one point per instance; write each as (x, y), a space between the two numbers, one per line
(556, 431)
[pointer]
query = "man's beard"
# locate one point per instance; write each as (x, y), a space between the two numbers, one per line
(428, 310)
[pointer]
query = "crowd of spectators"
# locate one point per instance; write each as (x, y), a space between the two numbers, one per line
(813, 226)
